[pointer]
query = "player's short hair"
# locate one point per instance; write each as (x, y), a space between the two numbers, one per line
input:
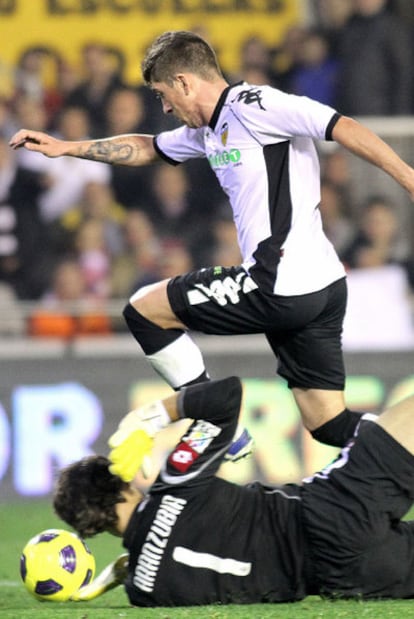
(177, 51)
(86, 494)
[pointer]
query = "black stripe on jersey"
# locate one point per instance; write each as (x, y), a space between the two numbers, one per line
(163, 155)
(268, 252)
(331, 125)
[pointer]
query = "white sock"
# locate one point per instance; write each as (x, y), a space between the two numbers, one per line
(178, 363)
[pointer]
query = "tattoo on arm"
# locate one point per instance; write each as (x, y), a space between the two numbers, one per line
(109, 151)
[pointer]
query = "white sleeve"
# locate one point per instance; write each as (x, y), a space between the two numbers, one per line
(180, 144)
(272, 114)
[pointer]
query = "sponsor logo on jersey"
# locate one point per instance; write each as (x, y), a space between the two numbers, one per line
(222, 291)
(224, 157)
(193, 444)
(250, 96)
(224, 133)
(156, 541)
(183, 457)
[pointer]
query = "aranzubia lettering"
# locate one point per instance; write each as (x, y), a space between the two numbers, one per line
(156, 541)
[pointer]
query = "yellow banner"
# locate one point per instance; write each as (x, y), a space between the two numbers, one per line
(130, 25)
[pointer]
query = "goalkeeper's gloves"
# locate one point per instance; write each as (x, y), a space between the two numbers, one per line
(111, 576)
(130, 455)
(132, 443)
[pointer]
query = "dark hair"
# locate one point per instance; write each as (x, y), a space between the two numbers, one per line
(179, 50)
(85, 496)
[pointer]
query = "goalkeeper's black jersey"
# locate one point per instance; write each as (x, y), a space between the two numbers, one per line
(198, 539)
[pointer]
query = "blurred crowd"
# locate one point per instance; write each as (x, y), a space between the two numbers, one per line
(76, 233)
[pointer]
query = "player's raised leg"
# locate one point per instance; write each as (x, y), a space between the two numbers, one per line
(171, 351)
(163, 338)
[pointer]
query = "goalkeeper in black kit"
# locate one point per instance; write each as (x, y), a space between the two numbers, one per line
(195, 538)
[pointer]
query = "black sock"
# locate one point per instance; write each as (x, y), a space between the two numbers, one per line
(150, 336)
(339, 430)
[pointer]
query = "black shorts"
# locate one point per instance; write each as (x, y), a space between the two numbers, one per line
(357, 545)
(304, 331)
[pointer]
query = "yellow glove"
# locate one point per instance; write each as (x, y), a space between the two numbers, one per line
(129, 454)
(132, 443)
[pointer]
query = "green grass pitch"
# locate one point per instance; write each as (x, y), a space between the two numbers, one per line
(20, 521)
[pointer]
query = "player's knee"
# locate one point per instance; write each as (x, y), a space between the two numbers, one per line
(137, 299)
(152, 302)
(139, 326)
(149, 335)
(136, 322)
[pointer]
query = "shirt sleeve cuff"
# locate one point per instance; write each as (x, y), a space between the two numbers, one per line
(331, 125)
(161, 154)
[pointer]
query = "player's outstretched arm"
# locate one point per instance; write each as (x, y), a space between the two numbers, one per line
(129, 149)
(111, 576)
(364, 143)
(217, 401)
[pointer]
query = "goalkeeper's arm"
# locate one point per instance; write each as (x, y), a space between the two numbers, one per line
(131, 445)
(216, 401)
(111, 576)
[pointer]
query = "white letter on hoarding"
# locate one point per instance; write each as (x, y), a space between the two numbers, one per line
(4, 441)
(53, 426)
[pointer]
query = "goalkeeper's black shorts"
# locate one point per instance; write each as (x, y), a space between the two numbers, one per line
(358, 547)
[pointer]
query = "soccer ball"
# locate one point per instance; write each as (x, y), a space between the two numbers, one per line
(55, 564)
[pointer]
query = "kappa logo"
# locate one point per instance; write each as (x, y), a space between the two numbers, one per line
(222, 291)
(250, 96)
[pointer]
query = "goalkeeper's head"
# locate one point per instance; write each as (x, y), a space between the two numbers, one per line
(86, 496)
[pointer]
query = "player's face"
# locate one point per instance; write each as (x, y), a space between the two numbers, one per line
(178, 100)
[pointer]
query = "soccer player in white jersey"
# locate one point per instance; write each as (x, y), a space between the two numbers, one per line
(291, 285)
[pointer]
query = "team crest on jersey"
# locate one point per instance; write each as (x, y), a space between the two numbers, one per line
(224, 133)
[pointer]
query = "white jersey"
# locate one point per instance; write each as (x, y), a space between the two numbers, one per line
(259, 142)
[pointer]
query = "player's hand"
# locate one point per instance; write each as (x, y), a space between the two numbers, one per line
(132, 443)
(111, 576)
(130, 451)
(39, 142)
(152, 418)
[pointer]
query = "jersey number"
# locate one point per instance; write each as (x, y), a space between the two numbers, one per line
(211, 562)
